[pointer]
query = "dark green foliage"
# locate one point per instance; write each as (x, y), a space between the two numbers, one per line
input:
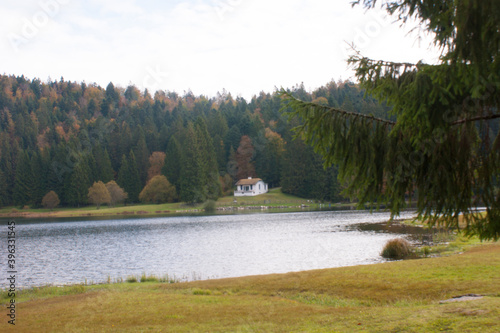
(38, 169)
(76, 134)
(3, 190)
(141, 153)
(76, 189)
(104, 169)
(172, 167)
(128, 177)
(191, 178)
(303, 174)
(442, 144)
(24, 183)
(208, 159)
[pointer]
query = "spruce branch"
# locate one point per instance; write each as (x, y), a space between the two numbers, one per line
(297, 103)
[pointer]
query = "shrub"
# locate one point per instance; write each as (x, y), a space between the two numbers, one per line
(209, 206)
(398, 248)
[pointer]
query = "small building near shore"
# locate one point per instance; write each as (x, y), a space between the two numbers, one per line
(250, 187)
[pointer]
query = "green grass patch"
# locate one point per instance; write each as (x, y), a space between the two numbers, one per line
(274, 198)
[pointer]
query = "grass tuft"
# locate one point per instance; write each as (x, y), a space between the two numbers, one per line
(151, 278)
(131, 279)
(205, 292)
(398, 248)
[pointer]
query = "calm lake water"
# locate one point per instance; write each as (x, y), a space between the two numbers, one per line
(193, 247)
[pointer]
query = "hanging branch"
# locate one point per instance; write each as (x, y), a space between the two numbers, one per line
(468, 120)
(297, 103)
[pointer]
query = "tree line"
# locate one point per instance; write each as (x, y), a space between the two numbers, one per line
(65, 137)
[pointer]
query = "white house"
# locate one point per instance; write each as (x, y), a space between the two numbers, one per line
(250, 187)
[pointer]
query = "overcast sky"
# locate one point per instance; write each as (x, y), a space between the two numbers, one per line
(243, 46)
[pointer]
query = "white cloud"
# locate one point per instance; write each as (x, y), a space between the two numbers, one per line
(243, 46)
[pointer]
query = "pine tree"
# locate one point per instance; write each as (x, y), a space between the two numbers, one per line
(3, 190)
(439, 147)
(39, 178)
(191, 185)
(76, 188)
(209, 168)
(24, 183)
(103, 164)
(141, 153)
(128, 177)
(172, 166)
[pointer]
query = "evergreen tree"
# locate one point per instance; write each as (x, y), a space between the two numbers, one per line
(232, 139)
(208, 159)
(104, 169)
(3, 190)
(304, 176)
(141, 153)
(24, 183)
(191, 181)
(39, 178)
(128, 177)
(76, 188)
(172, 167)
(439, 146)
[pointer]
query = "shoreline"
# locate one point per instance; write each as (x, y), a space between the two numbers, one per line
(408, 295)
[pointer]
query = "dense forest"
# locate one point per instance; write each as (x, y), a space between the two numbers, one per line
(64, 136)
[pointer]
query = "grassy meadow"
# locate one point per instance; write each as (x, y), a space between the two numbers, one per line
(399, 296)
(274, 198)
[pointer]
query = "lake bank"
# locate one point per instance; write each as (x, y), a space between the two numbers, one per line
(274, 200)
(394, 296)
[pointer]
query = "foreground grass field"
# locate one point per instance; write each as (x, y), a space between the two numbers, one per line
(402, 296)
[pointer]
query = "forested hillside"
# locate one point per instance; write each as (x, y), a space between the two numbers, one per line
(63, 136)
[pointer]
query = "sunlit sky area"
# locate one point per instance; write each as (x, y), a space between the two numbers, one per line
(242, 46)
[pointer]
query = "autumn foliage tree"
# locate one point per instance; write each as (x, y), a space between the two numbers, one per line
(50, 200)
(158, 190)
(117, 194)
(156, 163)
(244, 158)
(99, 194)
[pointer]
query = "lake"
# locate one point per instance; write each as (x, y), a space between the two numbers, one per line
(194, 247)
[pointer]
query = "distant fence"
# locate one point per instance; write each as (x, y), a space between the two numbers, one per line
(241, 202)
